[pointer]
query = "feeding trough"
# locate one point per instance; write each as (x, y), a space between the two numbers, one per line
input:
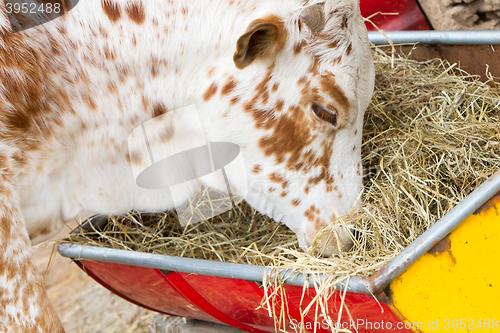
(441, 281)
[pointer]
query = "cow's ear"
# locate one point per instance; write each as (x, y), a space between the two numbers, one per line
(264, 39)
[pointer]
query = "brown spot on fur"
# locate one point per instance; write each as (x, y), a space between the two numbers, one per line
(315, 222)
(333, 45)
(112, 88)
(123, 73)
(345, 21)
(296, 202)
(290, 136)
(73, 45)
(136, 13)
(279, 105)
(297, 48)
(112, 10)
(302, 81)
(275, 87)
(90, 102)
(211, 72)
(19, 158)
(276, 178)
(262, 86)
(329, 85)
(311, 96)
(211, 91)
(110, 55)
(168, 133)
(264, 97)
(311, 213)
(155, 68)
(145, 103)
(159, 109)
(228, 87)
(349, 49)
(103, 32)
(135, 158)
(314, 66)
(257, 168)
(324, 175)
(62, 29)
(54, 46)
(234, 100)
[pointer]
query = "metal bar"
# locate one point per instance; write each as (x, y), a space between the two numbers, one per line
(488, 37)
(197, 266)
(378, 281)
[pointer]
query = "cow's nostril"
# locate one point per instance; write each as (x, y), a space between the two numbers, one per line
(324, 114)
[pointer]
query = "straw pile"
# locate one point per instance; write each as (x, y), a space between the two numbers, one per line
(431, 136)
(234, 236)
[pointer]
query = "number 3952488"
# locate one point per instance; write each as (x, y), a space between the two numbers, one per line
(32, 8)
(471, 324)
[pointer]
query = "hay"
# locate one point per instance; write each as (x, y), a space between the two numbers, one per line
(431, 136)
(234, 236)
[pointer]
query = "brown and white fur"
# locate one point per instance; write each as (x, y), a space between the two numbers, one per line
(73, 89)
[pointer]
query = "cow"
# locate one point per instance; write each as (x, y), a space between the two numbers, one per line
(288, 81)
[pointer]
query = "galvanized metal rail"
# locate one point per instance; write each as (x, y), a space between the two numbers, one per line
(432, 37)
(197, 266)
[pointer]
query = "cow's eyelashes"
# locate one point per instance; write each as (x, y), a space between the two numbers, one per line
(324, 114)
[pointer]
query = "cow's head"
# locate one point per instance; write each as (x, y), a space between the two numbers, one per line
(294, 101)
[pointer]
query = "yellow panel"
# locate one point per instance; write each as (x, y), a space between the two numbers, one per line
(455, 287)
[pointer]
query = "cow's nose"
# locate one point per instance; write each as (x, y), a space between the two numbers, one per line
(340, 239)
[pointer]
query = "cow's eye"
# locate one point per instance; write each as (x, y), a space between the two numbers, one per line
(324, 114)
